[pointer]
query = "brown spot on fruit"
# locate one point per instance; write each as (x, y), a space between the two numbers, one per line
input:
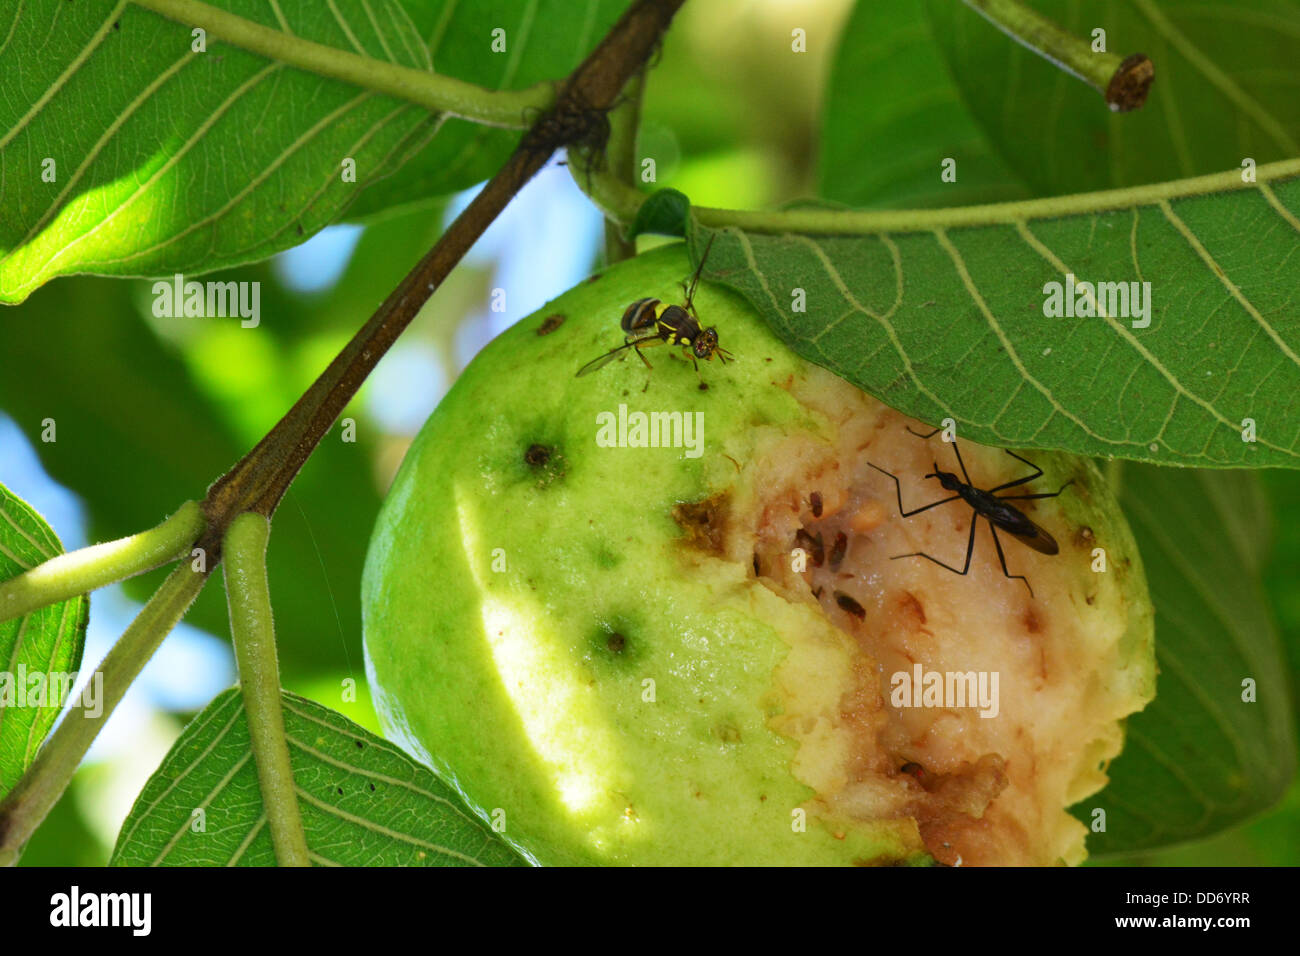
(910, 610)
(728, 733)
(1033, 623)
(815, 502)
(550, 324)
(1083, 536)
(544, 462)
(616, 642)
(705, 523)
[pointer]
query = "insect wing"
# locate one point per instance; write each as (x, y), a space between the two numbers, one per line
(600, 361)
(1036, 537)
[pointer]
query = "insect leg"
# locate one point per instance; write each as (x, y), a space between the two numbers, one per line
(645, 342)
(970, 549)
(1003, 558)
(1045, 494)
(964, 473)
(899, 489)
(1020, 481)
(919, 435)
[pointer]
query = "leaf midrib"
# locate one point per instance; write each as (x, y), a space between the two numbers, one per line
(902, 221)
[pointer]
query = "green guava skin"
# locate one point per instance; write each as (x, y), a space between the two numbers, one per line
(536, 633)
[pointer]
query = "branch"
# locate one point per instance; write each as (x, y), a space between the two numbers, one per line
(259, 480)
(431, 90)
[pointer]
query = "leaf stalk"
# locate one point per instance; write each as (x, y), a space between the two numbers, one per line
(36, 792)
(87, 569)
(252, 626)
(1123, 81)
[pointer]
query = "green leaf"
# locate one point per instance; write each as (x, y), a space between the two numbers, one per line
(166, 160)
(1283, 568)
(1199, 759)
(915, 81)
(364, 802)
(663, 213)
(893, 113)
(139, 431)
(941, 313)
(1224, 90)
(39, 652)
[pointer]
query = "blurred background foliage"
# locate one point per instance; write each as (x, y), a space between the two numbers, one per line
(149, 411)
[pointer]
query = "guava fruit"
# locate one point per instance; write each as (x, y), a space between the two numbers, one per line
(690, 655)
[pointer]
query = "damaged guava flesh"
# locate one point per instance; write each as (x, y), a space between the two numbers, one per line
(696, 654)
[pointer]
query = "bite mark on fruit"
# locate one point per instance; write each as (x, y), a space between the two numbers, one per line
(973, 787)
(546, 462)
(705, 523)
(550, 324)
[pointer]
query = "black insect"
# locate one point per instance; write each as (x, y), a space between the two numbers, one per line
(987, 505)
(648, 322)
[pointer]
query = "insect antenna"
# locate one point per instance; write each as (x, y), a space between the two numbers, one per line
(695, 280)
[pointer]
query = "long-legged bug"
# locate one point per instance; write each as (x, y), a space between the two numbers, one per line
(649, 321)
(984, 504)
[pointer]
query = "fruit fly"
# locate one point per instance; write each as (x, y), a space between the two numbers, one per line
(987, 505)
(649, 321)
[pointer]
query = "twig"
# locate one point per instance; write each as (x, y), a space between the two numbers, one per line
(1123, 81)
(87, 569)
